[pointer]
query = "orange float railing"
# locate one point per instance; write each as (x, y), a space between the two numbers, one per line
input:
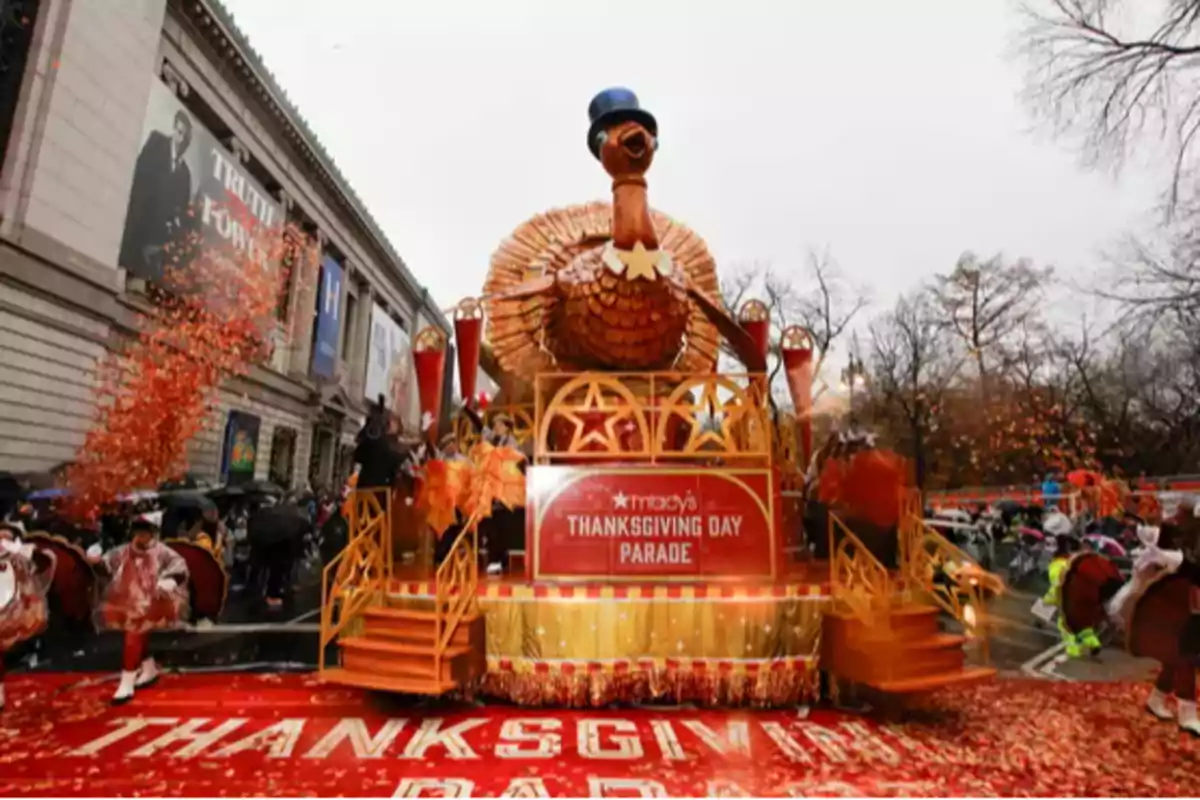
(457, 585)
(358, 576)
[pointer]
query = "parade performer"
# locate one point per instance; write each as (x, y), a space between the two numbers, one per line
(25, 576)
(1075, 643)
(146, 591)
(1178, 553)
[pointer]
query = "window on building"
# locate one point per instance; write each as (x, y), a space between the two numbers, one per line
(349, 324)
(17, 18)
(283, 456)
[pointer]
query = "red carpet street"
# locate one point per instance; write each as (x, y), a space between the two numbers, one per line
(236, 735)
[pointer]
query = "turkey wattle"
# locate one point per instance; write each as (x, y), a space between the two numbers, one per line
(610, 287)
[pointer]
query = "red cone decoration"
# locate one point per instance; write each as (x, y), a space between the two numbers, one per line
(468, 335)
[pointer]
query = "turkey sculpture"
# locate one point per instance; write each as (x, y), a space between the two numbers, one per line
(610, 287)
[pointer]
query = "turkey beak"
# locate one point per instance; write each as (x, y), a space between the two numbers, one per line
(636, 143)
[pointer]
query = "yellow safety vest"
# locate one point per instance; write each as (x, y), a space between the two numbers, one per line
(1057, 571)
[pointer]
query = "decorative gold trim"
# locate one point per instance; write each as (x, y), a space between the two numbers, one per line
(754, 311)
(468, 308)
(796, 337)
(430, 338)
(717, 416)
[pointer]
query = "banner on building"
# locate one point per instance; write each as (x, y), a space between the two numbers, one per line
(390, 369)
(240, 453)
(190, 195)
(329, 317)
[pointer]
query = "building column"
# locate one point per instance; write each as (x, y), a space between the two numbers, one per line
(362, 340)
(307, 268)
(344, 323)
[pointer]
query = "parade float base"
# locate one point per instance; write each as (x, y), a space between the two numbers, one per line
(585, 644)
(270, 735)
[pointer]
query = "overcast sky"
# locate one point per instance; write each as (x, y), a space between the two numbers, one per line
(888, 132)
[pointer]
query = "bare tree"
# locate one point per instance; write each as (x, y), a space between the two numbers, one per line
(1156, 283)
(826, 306)
(1114, 74)
(985, 303)
(913, 364)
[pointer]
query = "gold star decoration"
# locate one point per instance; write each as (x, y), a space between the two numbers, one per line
(589, 432)
(639, 262)
(729, 413)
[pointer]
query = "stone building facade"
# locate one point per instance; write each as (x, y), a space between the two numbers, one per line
(74, 92)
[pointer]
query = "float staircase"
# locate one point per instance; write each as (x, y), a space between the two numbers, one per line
(432, 650)
(883, 631)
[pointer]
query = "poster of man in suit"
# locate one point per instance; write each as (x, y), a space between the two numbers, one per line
(190, 196)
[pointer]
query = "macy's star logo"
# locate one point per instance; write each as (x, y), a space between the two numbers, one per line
(620, 500)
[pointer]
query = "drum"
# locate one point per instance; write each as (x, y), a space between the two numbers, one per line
(1159, 613)
(208, 583)
(1090, 581)
(74, 586)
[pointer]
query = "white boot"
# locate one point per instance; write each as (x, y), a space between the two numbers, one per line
(1187, 717)
(148, 674)
(1157, 705)
(125, 688)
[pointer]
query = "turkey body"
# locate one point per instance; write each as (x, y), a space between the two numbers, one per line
(607, 321)
(589, 318)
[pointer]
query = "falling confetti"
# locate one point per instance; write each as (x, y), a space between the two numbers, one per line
(156, 394)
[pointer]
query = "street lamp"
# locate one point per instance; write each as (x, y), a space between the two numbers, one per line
(853, 375)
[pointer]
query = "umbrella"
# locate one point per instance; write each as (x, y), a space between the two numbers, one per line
(139, 496)
(47, 494)
(227, 491)
(262, 487)
(189, 501)
(188, 481)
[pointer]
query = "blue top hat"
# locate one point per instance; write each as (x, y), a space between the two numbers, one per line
(613, 106)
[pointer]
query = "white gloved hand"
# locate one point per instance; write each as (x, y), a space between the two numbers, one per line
(95, 551)
(12, 545)
(1144, 559)
(1170, 559)
(1148, 534)
(167, 585)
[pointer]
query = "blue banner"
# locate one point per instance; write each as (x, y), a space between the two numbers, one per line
(329, 317)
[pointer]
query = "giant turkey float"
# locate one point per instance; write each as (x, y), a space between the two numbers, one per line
(661, 498)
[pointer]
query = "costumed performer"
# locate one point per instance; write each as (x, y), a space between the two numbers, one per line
(499, 433)
(25, 576)
(147, 590)
(1075, 643)
(1179, 554)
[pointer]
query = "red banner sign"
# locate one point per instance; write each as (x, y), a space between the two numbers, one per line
(629, 522)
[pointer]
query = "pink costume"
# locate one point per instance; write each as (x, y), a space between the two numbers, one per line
(23, 587)
(134, 601)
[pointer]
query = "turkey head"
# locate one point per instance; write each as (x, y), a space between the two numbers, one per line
(636, 297)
